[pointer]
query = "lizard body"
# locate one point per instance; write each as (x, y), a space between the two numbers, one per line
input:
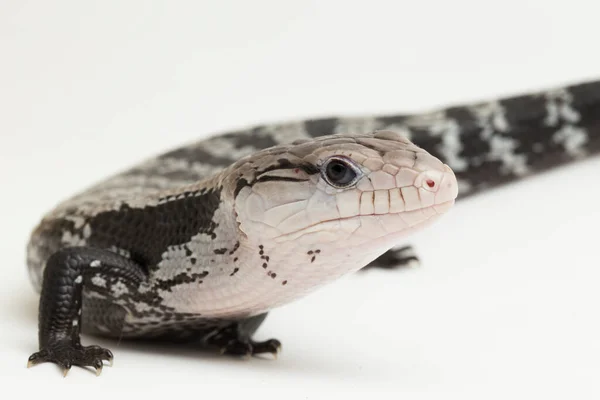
(201, 242)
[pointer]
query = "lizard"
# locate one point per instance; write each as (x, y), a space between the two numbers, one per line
(201, 242)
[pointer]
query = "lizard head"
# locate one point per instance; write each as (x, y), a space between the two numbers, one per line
(332, 204)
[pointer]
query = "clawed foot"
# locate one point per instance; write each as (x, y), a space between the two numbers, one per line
(65, 354)
(249, 348)
(229, 341)
(395, 258)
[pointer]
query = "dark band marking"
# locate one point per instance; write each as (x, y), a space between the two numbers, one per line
(525, 111)
(284, 163)
(257, 137)
(271, 178)
(586, 99)
(241, 183)
(321, 127)
(392, 120)
(147, 232)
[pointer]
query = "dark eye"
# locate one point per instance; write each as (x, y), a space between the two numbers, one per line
(340, 173)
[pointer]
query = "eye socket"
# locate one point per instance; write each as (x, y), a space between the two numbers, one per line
(340, 172)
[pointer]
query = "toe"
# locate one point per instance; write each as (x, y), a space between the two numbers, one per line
(271, 346)
(37, 358)
(238, 348)
(66, 354)
(98, 364)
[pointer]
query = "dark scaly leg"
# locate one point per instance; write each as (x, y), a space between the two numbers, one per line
(236, 339)
(61, 302)
(394, 258)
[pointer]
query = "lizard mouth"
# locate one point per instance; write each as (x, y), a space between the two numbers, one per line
(431, 213)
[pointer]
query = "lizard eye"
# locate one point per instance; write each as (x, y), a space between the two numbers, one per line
(340, 172)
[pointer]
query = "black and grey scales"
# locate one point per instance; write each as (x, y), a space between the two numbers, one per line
(113, 260)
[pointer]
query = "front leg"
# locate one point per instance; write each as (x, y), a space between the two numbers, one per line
(61, 303)
(236, 339)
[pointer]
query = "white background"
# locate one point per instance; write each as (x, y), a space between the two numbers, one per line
(506, 301)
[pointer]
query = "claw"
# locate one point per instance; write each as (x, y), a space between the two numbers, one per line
(98, 364)
(31, 361)
(271, 346)
(66, 371)
(276, 352)
(35, 358)
(109, 357)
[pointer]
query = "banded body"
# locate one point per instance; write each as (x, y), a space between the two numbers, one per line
(203, 240)
(261, 232)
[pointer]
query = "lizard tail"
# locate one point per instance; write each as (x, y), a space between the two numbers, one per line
(492, 143)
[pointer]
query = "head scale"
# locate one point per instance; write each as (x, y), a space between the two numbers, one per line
(350, 198)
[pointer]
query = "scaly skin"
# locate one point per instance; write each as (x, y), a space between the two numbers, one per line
(200, 242)
(201, 260)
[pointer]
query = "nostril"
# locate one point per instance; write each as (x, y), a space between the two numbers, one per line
(429, 180)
